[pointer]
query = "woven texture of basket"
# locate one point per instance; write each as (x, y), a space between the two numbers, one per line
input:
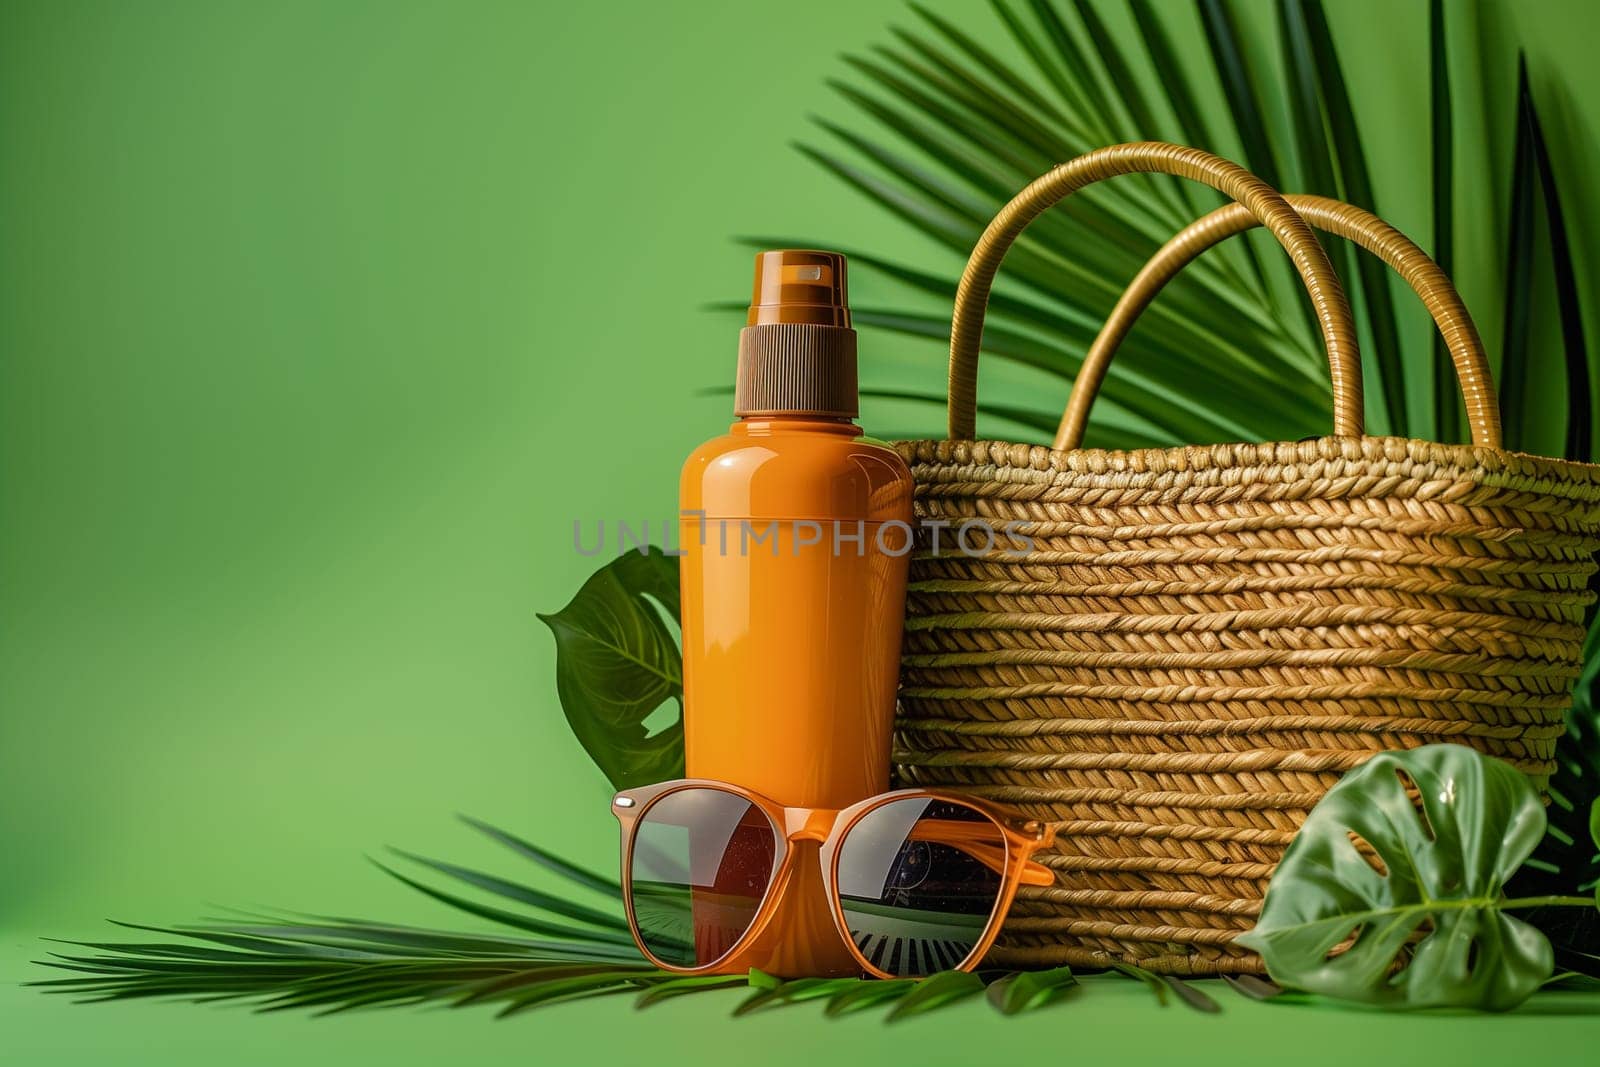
(1198, 642)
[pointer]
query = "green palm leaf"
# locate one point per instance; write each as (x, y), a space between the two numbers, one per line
(537, 899)
(1233, 71)
(1172, 193)
(327, 965)
(1533, 177)
(331, 964)
(568, 870)
(978, 129)
(1305, 21)
(1448, 408)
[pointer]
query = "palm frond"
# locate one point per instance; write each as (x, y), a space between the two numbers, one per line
(1533, 179)
(947, 129)
(566, 869)
(331, 964)
(607, 924)
(337, 966)
(327, 964)
(1193, 129)
(1448, 407)
(1238, 86)
(1305, 21)
(1579, 441)
(979, 131)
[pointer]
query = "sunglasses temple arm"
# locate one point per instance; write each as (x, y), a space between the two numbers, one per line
(974, 839)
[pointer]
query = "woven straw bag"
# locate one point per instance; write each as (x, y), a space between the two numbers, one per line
(1201, 640)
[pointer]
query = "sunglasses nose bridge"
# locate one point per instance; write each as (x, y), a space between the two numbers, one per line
(802, 824)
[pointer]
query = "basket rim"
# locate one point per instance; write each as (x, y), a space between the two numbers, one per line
(1240, 454)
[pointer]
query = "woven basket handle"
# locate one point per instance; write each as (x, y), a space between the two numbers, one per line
(1345, 220)
(1255, 195)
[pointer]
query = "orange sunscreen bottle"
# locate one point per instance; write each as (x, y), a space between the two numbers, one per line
(795, 533)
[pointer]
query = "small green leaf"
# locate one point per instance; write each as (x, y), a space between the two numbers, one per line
(1023, 991)
(616, 663)
(937, 991)
(760, 979)
(1440, 885)
(868, 993)
(674, 987)
(1157, 986)
(543, 976)
(567, 989)
(1161, 983)
(1255, 988)
(791, 992)
(1192, 995)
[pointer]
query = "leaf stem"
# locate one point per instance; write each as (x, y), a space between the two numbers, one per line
(1402, 911)
(1550, 902)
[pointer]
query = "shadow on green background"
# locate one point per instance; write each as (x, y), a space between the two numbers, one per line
(320, 325)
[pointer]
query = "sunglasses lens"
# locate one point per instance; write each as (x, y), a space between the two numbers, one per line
(918, 880)
(702, 861)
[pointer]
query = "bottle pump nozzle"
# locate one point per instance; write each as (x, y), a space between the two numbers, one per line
(799, 286)
(797, 355)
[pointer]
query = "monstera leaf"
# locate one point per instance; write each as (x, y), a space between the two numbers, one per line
(1420, 890)
(617, 662)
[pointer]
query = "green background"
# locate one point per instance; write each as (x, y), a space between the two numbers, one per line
(320, 324)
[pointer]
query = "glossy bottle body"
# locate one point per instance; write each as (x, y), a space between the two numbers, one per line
(796, 536)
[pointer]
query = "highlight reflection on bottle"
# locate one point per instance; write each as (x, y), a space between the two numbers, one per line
(791, 633)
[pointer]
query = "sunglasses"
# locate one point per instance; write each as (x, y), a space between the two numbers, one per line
(917, 881)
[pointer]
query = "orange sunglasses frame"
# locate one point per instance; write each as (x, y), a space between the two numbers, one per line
(1022, 836)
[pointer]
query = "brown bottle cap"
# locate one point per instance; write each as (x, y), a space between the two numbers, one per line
(797, 355)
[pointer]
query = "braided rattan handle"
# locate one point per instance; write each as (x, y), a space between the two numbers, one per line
(1257, 197)
(1346, 220)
